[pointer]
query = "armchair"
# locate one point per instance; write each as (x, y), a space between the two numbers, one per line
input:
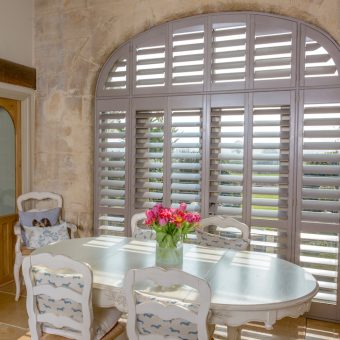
(21, 248)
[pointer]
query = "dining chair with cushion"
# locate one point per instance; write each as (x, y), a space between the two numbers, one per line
(138, 230)
(219, 231)
(152, 316)
(59, 300)
(39, 224)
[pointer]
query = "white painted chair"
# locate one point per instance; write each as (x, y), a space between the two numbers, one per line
(155, 318)
(59, 300)
(218, 237)
(141, 233)
(21, 250)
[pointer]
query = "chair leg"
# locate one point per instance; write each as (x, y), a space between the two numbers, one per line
(16, 271)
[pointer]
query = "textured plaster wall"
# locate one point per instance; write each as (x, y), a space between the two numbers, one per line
(73, 39)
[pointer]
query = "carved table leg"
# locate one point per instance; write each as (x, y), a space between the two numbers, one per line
(234, 333)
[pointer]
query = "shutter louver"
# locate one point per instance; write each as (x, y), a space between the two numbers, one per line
(188, 56)
(149, 158)
(111, 170)
(319, 256)
(226, 161)
(321, 164)
(117, 78)
(150, 66)
(229, 53)
(318, 62)
(186, 156)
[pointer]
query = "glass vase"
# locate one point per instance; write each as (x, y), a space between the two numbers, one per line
(169, 257)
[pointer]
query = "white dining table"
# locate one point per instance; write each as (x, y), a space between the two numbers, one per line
(246, 286)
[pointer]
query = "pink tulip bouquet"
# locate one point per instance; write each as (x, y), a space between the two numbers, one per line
(171, 225)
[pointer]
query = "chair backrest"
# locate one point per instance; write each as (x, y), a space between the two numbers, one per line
(59, 296)
(222, 224)
(154, 306)
(141, 233)
(38, 196)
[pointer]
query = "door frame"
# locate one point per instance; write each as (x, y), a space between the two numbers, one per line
(27, 98)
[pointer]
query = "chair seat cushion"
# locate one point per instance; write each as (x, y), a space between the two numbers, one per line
(212, 240)
(37, 237)
(151, 324)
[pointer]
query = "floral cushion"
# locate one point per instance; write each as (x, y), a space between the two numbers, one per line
(212, 240)
(152, 324)
(144, 234)
(104, 318)
(37, 237)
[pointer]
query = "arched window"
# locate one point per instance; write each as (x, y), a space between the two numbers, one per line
(232, 113)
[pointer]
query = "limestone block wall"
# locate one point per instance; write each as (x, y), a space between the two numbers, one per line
(73, 39)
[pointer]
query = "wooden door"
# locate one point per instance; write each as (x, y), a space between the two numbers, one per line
(10, 182)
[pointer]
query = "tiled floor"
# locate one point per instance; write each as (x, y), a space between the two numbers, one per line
(13, 325)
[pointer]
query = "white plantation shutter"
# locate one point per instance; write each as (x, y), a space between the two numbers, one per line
(226, 156)
(187, 64)
(111, 165)
(274, 52)
(270, 175)
(186, 156)
(228, 53)
(321, 60)
(150, 62)
(235, 114)
(319, 186)
(149, 158)
(117, 78)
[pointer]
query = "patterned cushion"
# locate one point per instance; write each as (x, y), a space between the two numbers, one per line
(144, 234)
(213, 240)
(38, 237)
(150, 323)
(26, 218)
(104, 318)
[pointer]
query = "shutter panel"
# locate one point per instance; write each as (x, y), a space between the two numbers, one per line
(321, 60)
(274, 50)
(319, 195)
(187, 64)
(149, 158)
(186, 157)
(114, 79)
(117, 78)
(226, 161)
(110, 167)
(150, 62)
(270, 209)
(228, 59)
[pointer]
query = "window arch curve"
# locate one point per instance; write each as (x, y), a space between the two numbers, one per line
(233, 113)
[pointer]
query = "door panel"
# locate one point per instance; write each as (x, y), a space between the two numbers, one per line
(10, 182)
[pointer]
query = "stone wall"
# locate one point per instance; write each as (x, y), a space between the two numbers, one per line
(73, 39)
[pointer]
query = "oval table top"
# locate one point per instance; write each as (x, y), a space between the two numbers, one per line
(246, 286)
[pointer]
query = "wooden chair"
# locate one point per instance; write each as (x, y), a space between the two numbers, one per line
(141, 233)
(213, 231)
(59, 300)
(21, 250)
(151, 317)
